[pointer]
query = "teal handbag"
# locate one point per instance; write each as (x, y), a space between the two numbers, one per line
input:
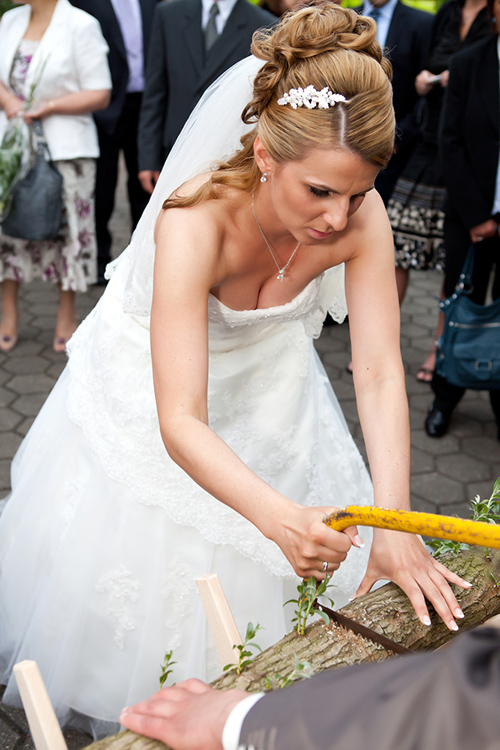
(468, 352)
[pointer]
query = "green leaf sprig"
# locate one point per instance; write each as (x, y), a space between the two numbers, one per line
(166, 667)
(245, 657)
(486, 511)
(309, 590)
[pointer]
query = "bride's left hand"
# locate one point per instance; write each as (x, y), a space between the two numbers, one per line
(403, 559)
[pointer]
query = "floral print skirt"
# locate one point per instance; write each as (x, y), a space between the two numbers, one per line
(415, 211)
(71, 259)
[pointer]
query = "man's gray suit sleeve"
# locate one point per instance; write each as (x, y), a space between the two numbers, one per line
(446, 699)
(155, 97)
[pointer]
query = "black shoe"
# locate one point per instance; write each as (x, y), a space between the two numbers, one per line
(437, 421)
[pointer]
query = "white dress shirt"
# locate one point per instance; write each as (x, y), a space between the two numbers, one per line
(384, 19)
(225, 8)
(234, 722)
(128, 13)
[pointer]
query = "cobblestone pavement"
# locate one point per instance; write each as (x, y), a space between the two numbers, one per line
(446, 473)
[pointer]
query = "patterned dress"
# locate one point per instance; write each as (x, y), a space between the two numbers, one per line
(70, 259)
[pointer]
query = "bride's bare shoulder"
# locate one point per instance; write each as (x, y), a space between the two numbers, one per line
(211, 214)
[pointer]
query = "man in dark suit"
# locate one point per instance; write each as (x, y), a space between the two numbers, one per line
(182, 65)
(469, 149)
(404, 34)
(126, 26)
(448, 699)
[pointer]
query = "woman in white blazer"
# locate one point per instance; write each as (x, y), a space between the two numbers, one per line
(66, 46)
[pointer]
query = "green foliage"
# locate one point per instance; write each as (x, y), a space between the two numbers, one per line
(486, 511)
(166, 667)
(301, 669)
(5, 5)
(245, 656)
(309, 590)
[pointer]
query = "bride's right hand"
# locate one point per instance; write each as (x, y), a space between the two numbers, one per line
(307, 543)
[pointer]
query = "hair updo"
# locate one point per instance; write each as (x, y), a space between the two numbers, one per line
(322, 45)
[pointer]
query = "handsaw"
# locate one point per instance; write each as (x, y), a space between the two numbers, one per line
(427, 524)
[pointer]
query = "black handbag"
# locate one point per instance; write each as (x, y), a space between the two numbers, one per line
(468, 351)
(37, 203)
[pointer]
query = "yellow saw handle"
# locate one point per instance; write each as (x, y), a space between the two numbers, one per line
(427, 524)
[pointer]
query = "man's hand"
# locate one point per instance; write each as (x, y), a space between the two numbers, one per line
(188, 716)
(483, 231)
(148, 179)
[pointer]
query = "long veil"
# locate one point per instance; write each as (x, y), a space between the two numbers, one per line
(212, 133)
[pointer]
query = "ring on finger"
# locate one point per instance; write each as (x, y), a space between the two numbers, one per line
(325, 567)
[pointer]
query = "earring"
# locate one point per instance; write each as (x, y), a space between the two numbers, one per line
(264, 177)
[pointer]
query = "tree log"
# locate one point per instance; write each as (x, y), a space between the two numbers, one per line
(386, 610)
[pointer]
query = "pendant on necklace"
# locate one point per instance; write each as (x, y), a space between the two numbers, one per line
(281, 276)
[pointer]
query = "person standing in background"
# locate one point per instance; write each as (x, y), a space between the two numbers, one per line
(470, 158)
(64, 48)
(193, 42)
(404, 34)
(126, 26)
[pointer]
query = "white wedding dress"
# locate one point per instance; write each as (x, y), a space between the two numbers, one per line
(103, 535)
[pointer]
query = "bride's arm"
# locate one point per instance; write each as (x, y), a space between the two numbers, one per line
(187, 265)
(374, 322)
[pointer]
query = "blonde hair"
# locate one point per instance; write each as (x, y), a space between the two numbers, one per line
(322, 45)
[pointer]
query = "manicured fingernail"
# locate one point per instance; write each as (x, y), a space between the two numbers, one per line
(458, 613)
(125, 711)
(467, 585)
(352, 598)
(358, 541)
(426, 620)
(453, 625)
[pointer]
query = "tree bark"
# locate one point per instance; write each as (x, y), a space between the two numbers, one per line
(386, 610)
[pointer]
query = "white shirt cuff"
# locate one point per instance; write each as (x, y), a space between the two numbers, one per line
(234, 722)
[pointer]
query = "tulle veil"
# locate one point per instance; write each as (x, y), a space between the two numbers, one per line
(212, 133)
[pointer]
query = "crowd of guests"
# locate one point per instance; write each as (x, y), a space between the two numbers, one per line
(111, 101)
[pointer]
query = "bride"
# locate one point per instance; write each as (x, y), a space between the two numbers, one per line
(194, 429)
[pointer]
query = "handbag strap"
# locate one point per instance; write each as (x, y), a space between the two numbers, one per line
(42, 147)
(465, 278)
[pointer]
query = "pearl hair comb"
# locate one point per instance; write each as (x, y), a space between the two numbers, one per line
(311, 98)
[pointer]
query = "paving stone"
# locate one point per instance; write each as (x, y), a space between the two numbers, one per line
(462, 510)
(421, 505)
(9, 443)
(412, 356)
(6, 396)
(437, 489)
(24, 426)
(56, 369)
(483, 489)
(437, 446)
(5, 475)
(463, 426)
(8, 419)
(421, 461)
(34, 383)
(44, 309)
(25, 348)
(463, 468)
(30, 404)
(26, 365)
(421, 401)
(483, 447)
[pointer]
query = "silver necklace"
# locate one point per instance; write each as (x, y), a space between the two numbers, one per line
(281, 271)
